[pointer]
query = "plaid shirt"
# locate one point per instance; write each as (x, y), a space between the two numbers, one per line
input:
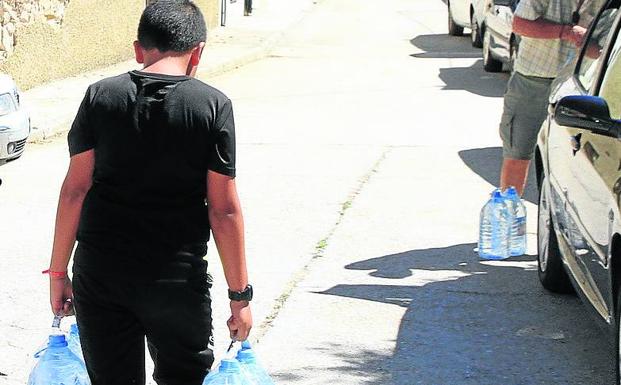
(545, 57)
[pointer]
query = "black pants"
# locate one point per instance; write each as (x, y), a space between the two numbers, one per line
(172, 310)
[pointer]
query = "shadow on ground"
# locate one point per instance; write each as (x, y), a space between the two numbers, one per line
(471, 322)
(472, 78)
(486, 162)
(441, 45)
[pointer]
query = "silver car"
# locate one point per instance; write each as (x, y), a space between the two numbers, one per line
(14, 121)
(578, 163)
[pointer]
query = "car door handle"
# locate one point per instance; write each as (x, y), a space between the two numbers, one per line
(575, 143)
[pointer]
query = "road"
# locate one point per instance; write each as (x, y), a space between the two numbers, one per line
(367, 143)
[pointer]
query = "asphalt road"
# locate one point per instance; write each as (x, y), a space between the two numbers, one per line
(367, 145)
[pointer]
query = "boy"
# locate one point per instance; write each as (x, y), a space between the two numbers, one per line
(152, 170)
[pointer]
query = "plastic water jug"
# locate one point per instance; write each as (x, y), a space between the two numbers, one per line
(517, 242)
(58, 365)
(251, 369)
(74, 341)
(228, 373)
(245, 346)
(494, 228)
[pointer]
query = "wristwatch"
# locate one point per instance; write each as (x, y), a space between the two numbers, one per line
(245, 295)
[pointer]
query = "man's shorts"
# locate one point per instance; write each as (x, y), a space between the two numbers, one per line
(525, 109)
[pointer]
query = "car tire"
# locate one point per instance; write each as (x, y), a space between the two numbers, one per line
(552, 274)
(475, 34)
(489, 63)
(513, 51)
(453, 29)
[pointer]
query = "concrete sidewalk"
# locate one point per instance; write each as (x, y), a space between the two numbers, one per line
(244, 39)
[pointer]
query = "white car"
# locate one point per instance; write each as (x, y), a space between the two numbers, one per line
(467, 14)
(14, 121)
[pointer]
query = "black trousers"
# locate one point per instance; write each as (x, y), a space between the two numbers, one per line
(172, 309)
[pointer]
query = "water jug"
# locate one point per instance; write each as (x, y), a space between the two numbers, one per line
(74, 341)
(494, 228)
(251, 369)
(228, 373)
(517, 242)
(57, 365)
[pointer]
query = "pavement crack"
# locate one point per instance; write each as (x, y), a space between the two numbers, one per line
(320, 248)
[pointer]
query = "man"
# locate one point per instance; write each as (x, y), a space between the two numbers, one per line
(152, 170)
(551, 31)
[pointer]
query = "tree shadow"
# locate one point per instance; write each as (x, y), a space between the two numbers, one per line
(472, 322)
(486, 163)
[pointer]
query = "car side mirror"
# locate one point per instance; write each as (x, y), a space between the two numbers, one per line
(587, 112)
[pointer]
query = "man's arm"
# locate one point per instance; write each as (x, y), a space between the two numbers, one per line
(77, 183)
(544, 29)
(227, 225)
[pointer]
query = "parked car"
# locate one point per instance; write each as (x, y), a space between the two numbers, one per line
(466, 14)
(14, 121)
(500, 44)
(578, 166)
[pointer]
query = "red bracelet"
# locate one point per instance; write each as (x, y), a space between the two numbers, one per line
(55, 274)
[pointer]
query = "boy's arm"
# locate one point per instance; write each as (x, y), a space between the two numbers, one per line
(227, 225)
(77, 183)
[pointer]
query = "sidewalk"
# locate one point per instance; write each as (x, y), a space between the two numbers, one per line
(243, 40)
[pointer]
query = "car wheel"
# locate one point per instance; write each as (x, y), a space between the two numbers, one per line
(475, 35)
(552, 274)
(453, 29)
(513, 51)
(489, 63)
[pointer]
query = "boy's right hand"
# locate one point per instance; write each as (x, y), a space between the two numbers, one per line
(240, 321)
(61, 296)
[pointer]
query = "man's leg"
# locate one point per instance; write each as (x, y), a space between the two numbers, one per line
(525, 109)
(111, 337)
(514, 173)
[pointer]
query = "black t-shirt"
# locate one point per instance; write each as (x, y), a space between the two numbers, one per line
(155, 136)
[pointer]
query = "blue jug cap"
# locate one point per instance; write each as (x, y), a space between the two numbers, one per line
(74, 329)
(57, 341)
(246, 356)
(496, 194)
(246, 345)
(229, 365)
(511, 191)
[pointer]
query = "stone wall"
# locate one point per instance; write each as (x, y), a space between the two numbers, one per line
(53, 39)
(16, 13)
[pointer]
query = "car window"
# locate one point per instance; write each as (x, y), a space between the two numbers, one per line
(591, 53)
(6, 104)
(610, 89)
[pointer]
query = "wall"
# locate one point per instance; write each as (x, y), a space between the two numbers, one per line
(43, 40)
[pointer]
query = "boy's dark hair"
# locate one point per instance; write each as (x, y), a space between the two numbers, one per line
(171, 25)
